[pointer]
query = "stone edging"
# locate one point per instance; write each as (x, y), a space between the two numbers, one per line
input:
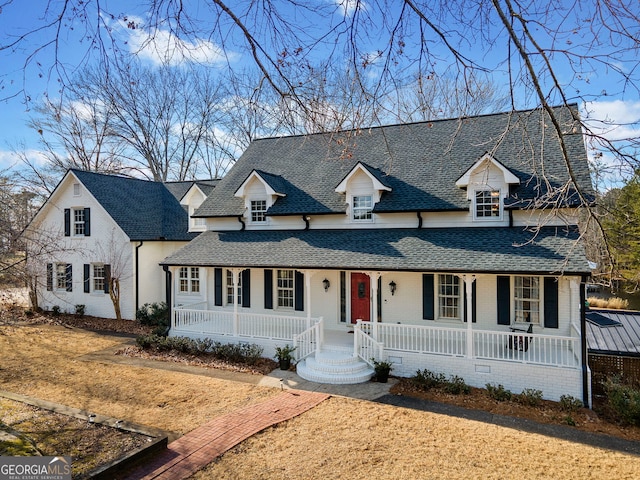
(159, 442)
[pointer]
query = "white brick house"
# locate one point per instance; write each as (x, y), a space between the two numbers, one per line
(449, 245)
(103, 225)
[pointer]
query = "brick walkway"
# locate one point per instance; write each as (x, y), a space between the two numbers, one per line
(201, 446)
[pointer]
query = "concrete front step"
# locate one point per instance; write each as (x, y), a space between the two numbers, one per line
(334, 368)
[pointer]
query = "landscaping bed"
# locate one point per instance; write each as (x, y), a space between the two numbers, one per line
(32, 431)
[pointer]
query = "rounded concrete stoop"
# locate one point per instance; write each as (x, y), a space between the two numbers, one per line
(334, 367)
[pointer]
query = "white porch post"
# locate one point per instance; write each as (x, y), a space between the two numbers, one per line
(236, 274)
(307, 285)
(373, 280)
(468, 285)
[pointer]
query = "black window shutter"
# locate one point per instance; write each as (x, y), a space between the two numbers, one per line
(550, 302)
(379, 299)
(107, 277)
(473, 301)
(343, 297)
(504, 301)
(69, 277)
(427, 297)
(87, 222)
(268, 289)
(246, 288)
(217, 287)
(87, 278)
(67, 222)
(298, 284)
(50, 276)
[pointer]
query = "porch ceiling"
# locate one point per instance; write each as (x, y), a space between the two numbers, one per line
(470, 250)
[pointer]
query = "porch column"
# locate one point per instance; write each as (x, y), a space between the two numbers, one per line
(468, 285)
(307, 284)
(236, 275)
(373, 281)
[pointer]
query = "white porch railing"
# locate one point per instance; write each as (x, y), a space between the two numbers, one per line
(364, 345)
(309, 341)
(518, 347)
(219, 322)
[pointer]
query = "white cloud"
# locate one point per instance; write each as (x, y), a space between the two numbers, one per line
(616, 120)
(348, 7)
(10, 160)
(161, 46)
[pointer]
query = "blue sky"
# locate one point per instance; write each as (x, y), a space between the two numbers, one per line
(19, 17)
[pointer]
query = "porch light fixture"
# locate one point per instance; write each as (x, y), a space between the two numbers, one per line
(326, 284)
(392, 287)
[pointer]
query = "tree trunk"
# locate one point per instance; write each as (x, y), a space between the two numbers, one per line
(114, 294)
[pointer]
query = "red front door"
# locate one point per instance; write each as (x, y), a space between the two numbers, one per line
(360, 297)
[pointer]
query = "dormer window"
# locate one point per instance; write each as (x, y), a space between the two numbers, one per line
(488, 204)
(487, 183)
(362, 208)
(258, 211)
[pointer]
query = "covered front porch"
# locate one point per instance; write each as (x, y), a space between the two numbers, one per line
(377, 340)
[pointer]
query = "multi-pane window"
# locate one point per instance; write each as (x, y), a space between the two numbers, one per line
(258, 210)
(78, 222)
(487, 203)
(189, 280)
(527, 299)
(230, 288)
(98, 278)
(362, 207)
(61, 276)
(449, 296)
(285, 288)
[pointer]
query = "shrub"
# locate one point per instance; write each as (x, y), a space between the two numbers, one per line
(530, 396)
(623, 400)
(498, 392)
(613, 303)
(55, 310)
(569, 403)
(80, 310)
(456, 385)
(426, 379)
(153, 314)
(237, 352)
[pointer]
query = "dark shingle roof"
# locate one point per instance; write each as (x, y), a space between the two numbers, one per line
(467, 250)
(621, 338)
(180, 189)
(420, 162)
(144, 210)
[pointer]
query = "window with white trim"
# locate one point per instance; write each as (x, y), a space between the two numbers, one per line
(449, 297)
(526, 294)
(285, 291)
(488, 204)
(98, 277)
(361, 208)
(230, 288)
(189, 280)
(78, 221)
(258, 211)
(61, 276)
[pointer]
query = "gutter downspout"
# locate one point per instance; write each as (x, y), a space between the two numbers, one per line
(167, 288)
(510, 218)
(419, 219)
(242, 222)
(138, 275)
(583, 341)
(306, 222)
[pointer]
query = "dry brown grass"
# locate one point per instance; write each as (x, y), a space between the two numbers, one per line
(341, 438)
(614, 303)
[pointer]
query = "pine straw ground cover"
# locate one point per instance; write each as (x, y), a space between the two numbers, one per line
(341, 438)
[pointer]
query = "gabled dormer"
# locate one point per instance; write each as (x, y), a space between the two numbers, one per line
(487, 183)
(260, 191)
(362, 187)
(191, 201)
